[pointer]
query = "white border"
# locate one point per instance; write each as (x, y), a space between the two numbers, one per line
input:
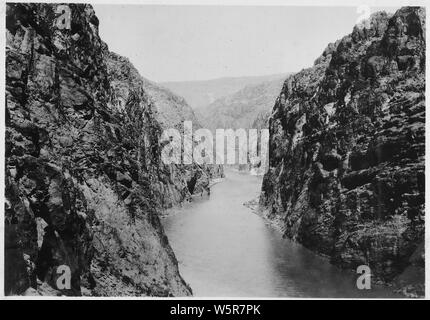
(343, 3)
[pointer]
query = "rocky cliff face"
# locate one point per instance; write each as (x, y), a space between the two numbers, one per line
(346, 174)
(172, 112)
(83, 174)
(176, 183)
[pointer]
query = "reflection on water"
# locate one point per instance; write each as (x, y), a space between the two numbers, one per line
(225, 250)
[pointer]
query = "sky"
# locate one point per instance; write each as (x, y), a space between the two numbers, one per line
(185, 43)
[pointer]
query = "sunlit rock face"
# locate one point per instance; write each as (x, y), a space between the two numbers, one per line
(346, 173)
(170, 112)
(84, 177)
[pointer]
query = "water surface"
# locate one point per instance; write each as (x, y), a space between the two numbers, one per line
(226, 250)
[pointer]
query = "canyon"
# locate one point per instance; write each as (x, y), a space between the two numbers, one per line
(86, 186)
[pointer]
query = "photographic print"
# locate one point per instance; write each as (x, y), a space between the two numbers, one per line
(214, 151)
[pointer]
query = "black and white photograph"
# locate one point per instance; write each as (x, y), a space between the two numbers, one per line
(262, 150)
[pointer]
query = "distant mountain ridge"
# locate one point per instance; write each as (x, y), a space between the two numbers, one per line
(200, 94)
(242, 108)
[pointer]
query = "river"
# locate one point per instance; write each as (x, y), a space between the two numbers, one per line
(226, 250)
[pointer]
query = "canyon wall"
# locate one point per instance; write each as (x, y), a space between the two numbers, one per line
(84, 179)
(176, 182)
(346, 175)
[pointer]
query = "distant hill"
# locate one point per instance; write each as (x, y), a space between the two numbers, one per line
(242, 108)
(202, 93)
